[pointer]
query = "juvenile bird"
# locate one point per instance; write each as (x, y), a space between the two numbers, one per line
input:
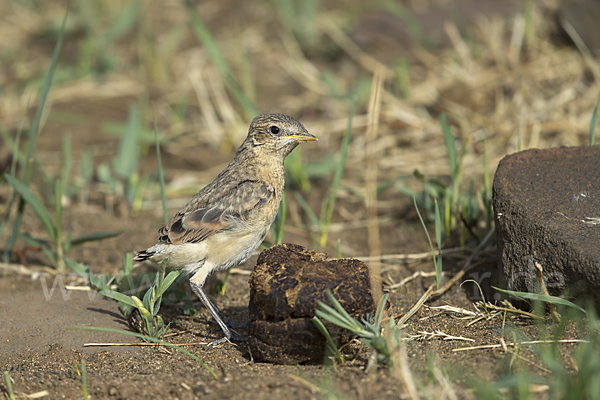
(222, 225)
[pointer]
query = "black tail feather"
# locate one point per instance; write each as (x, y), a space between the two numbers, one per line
(143, 255)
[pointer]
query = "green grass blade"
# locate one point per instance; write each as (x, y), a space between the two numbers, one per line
(438, 238)
(448, 219)
(167, 282)
(330, 314)
(309, 212)
(341, 311)
(287, 11)
(58, 242)
(403, 77)
(161, 174)
(34, 202)
(33, 130)
(153, 298)
(337, 177)
(404, 14)
(450, 146)
(45, 245)
(380, 308)
(126, 162)
(119, 297)
(426, 231)
(98, 282)
(125, 280)
(542, 297)
(296, 170)
(16, 223)
(94, 236)
(207, 40)
(149, 339)
(8, 383)
(128, 264)
(124, 22)
(247, 73)
(66, 161)
(438, 269)
(148, 300)
(280, 221)
(487, 187)
(80, 268)
(86, 167)
(593, 123)
(341, 319)
(317, 322)
(224, 284)
(438, 224)
(84, 379)
(320, 168)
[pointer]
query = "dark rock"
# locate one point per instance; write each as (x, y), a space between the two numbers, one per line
(284, 288)
(547, 205)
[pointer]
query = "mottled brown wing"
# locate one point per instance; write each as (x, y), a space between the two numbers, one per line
(223, 211)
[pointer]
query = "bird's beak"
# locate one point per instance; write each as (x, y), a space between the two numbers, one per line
(303, 137)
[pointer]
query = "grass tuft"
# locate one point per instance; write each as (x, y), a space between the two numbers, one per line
(32, 134)
(370, 333)
(58, 246)
(8, 383)
(148, 308)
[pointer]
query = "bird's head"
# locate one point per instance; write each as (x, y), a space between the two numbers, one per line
(277, 133)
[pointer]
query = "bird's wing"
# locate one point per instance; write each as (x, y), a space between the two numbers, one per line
(221, 212)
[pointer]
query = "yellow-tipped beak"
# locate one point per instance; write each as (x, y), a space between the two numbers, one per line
(307, 137)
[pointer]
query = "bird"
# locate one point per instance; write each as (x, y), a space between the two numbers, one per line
(226, 221)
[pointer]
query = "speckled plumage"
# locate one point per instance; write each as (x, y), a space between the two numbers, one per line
(222, 225)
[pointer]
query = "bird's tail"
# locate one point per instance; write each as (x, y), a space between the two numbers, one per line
(143, 255)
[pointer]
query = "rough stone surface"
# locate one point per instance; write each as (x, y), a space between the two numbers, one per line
(284, 288)
(547, 210)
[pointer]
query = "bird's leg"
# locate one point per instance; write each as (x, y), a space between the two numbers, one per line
(215, 313)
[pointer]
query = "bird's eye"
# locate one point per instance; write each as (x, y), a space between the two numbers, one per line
(274, 130)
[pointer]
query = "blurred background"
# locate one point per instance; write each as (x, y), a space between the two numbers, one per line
(439, 92)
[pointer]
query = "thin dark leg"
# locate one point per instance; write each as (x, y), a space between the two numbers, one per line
(215, 313)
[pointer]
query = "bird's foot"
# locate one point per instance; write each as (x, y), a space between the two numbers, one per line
(218, 342)
(215, 313)
(234, 336)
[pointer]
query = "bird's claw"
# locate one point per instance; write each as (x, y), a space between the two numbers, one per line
(234, 336)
